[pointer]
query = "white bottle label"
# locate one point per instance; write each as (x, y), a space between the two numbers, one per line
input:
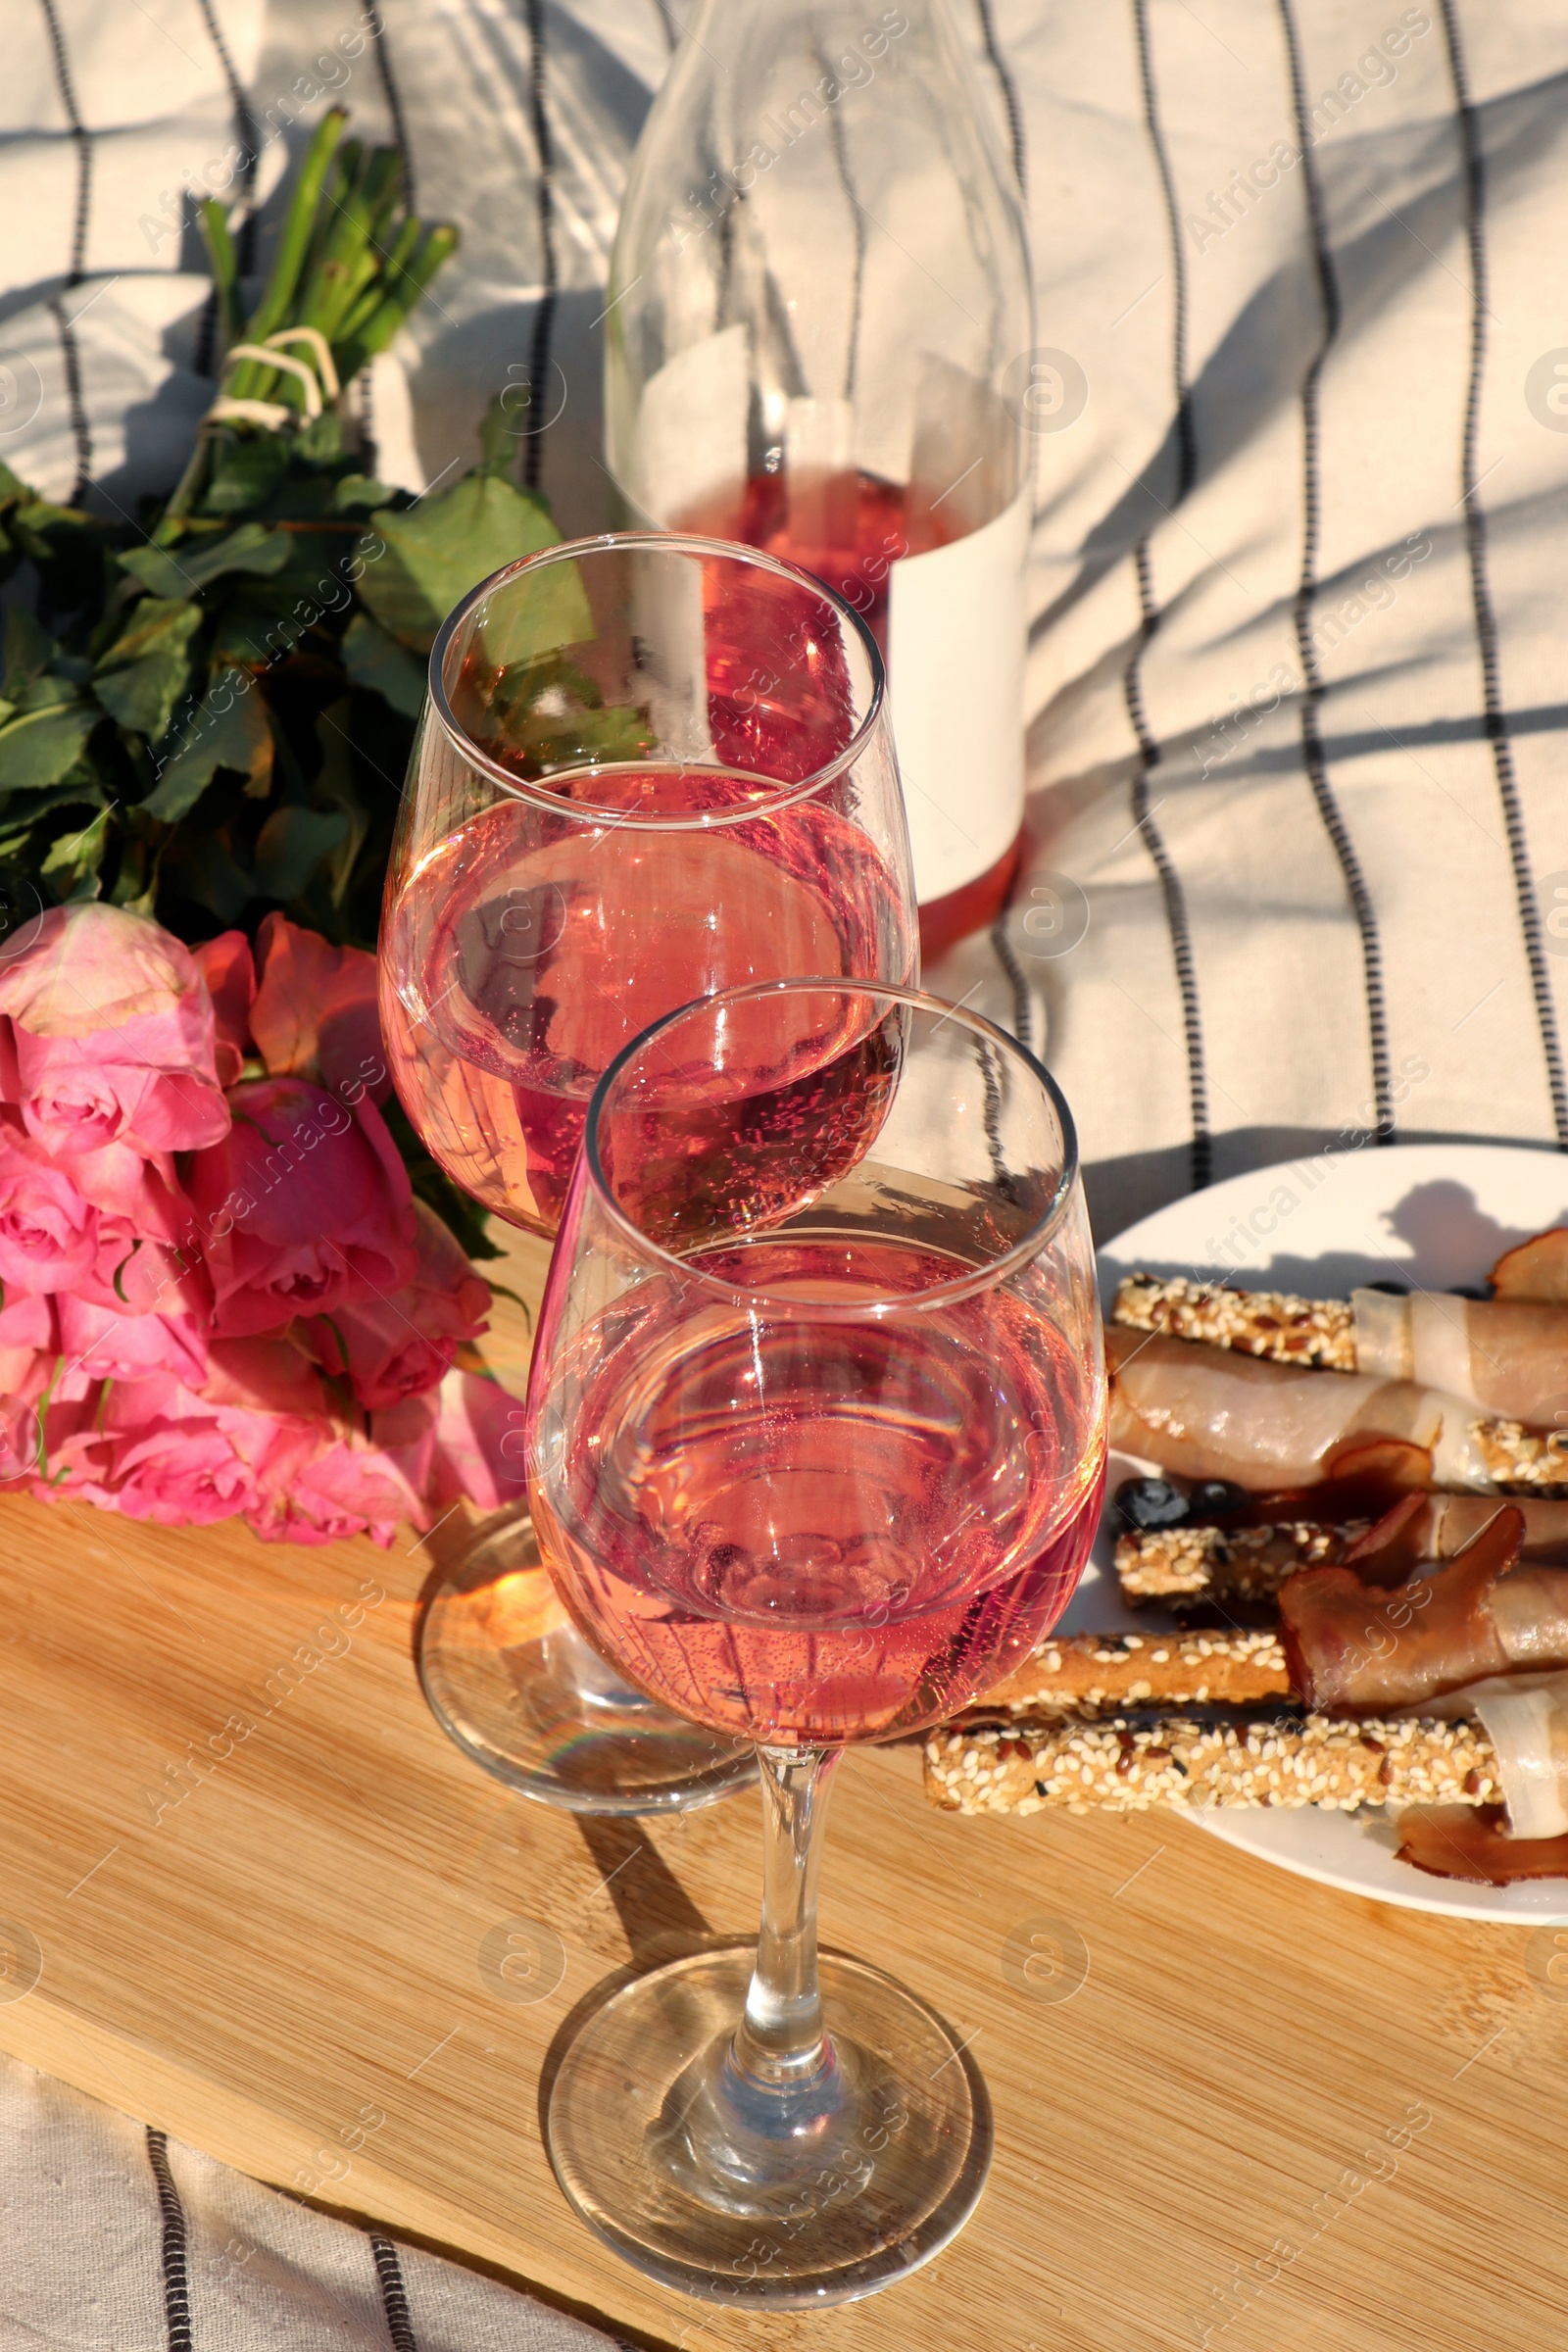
(956, 662)
(691, 431)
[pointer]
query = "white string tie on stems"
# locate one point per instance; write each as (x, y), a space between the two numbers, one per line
(316, 382)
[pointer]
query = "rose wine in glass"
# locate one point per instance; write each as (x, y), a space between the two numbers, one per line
(532, 960)
(649, 769)
(816, 1444)
(800, 1572)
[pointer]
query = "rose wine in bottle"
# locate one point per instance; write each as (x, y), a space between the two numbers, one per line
(819, 316)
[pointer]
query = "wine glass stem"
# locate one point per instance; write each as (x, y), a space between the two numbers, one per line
(779, 2042)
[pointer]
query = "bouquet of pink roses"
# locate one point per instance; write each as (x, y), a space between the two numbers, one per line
(219, 1294)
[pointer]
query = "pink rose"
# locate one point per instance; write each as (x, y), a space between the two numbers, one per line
(226, 964)
(122, 1347)
(268, 1376)
(48, 1233)
(107, 1036)
(478, 1445)
(27, 1370)
(133, 1275)
(19, 1439)
(400, 1346)
(405, 1434)
(314, 1015)
(137, 1191)
(27, 1326)
(304, 1207)
(168, 1455)
(350, 1488)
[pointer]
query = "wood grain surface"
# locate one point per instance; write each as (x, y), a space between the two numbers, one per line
(269, 1899)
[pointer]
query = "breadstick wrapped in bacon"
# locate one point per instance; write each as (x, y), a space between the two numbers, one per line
(1210, 1413)
(1352, 1648)
(1242, 1564)
(1509, 1355)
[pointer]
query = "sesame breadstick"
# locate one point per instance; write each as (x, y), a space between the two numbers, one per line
(1226, 1564)
(1523, 1461)
(1094, 1673)
(1311, 1760)
(1295, 1331)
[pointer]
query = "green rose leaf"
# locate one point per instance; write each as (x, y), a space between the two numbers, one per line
(155, 621)
(46, 694)
(291, 844)
(227, 729)
(23, 816)
(29, 650)
(359, 493)
(73, 863)
(143, 674)
(181, 571)
(377, 662)
(419, 562)
(256, 625)
(42, 745)
(246, 473)
(334, 784)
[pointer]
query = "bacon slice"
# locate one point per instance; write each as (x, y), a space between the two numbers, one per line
(1437, 1527)
(1472, 1842)
(1207, 1412)
(1390, 1552)
(1509, 1355)
(1354, 1649)
(1536, 1269)
(1365, 1482)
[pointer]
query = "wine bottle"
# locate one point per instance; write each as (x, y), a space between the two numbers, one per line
(820, 302)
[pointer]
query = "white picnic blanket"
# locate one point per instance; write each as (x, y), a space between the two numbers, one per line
(120, 2240)
(1298, 870)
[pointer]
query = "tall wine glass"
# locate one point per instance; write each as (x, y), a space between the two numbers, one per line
(817, 1443)
(647, 767)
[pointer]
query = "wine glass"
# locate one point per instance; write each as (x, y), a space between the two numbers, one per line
(647, 767)
(816, 1446)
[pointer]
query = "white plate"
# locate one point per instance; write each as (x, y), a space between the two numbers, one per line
(1430, 1214)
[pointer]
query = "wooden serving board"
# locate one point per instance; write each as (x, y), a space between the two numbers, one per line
(269, 1901)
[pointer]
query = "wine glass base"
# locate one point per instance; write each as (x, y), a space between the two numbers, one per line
(795, 2222)
(521, 1692)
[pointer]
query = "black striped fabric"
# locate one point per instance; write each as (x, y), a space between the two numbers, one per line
(246, 135)
(550, 267)
(63, 323)
(1150, 753)
(1495, 717)
(394, 2295)
(1311, 701)
(1023, 1013)
(1010, 95)
(173, 2245)
(246, 139)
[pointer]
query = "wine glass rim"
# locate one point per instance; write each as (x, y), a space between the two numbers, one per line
(940, 1294)
(538, 793)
